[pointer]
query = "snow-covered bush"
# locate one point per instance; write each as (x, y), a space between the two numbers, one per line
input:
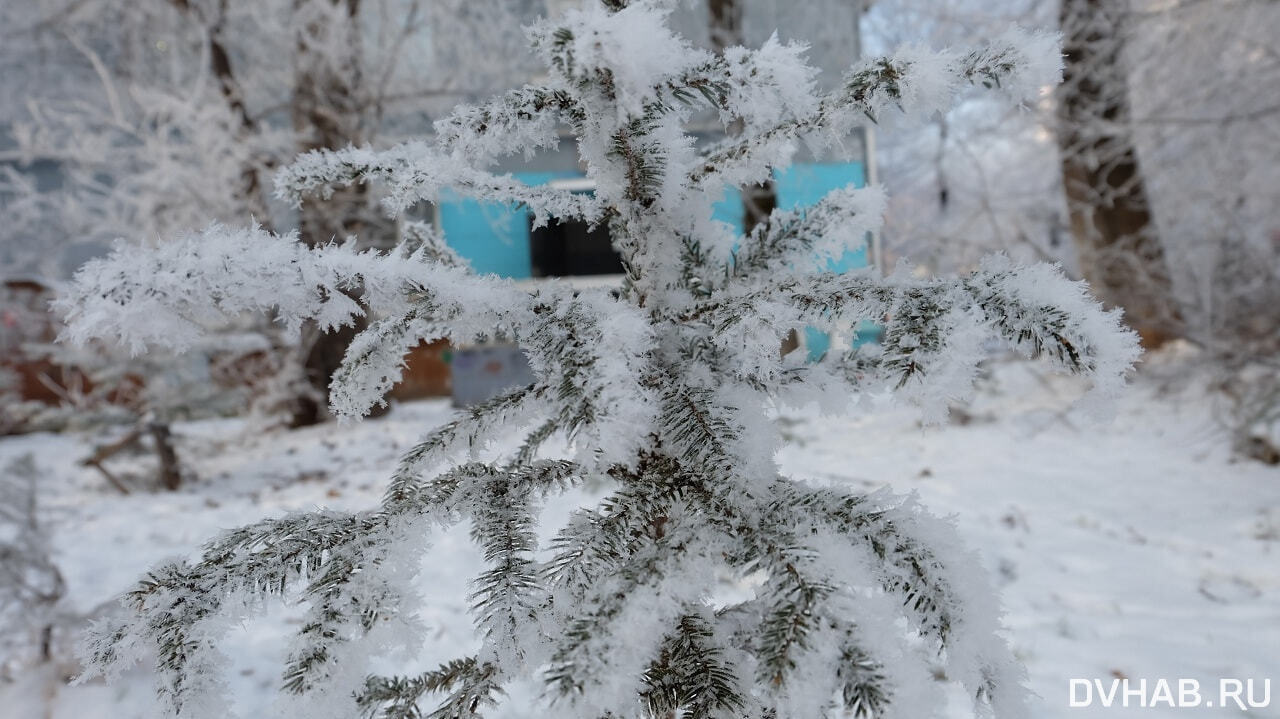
(31, 584)
(663, 389)
(146, 118)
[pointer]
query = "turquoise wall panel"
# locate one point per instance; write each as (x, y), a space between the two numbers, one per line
(493, 236)
(729, 209)
(802, 186)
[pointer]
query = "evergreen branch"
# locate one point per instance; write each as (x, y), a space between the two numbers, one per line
(417, 171)
(702, 436)
(590, 544)
(265, 557)
(450, 495)
(879, 84)
(595, 542)
(596, 348)
(799, 241)
(170, 602)
(913, 572)
(262, 559)
(793, 617)
(326, 625)
(533, 441)
(422, 240)
(1036, 310)
(915, 336)
(508, 597)
(548, 475)
(557, 44)
(524, 118)
(348, 596)
(170, 295)
(472, 686)
(437, 304)
(791, 606)
(778, 625)
(374, 361)
(693, 674)
(704, 84)
(862, 684)
(472, 427)
(644, 161)
(589, 654)
(696, 273)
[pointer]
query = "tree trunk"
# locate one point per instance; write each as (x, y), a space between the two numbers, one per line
(327, 114)
(169, 472)
(212, 18)
(1120, 252)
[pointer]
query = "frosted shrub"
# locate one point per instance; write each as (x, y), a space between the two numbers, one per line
(31, 585)
(663, 391)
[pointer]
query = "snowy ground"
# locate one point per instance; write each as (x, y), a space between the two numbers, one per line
(1136, 549)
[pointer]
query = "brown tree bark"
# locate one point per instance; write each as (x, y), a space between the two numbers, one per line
(229, 86)
(169, 472)
(1111, 221)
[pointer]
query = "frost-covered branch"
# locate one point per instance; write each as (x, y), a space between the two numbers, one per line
(414, 172)
(31, 584)
(470, 686)
(915, 82)
(794, 242)
(523, 120)
(934, 329)
(168, 294)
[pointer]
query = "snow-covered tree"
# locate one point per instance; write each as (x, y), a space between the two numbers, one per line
(663, 390)
(32, 585)
(178, 111)
(1159, 129)
(1104, 182)
(982, 177)
(1200, 128)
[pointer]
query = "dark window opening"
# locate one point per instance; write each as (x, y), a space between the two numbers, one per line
(564, 249)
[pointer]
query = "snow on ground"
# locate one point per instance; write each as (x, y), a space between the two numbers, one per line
(1134, 549)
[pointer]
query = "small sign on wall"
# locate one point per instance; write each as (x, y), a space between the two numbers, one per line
(484, 371)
